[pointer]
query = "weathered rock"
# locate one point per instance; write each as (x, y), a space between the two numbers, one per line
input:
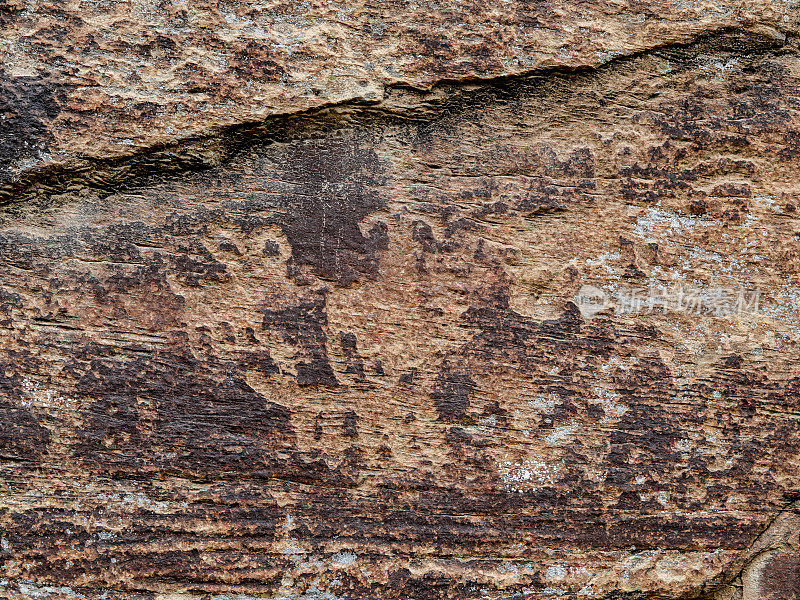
(107, 79)
(528, 337)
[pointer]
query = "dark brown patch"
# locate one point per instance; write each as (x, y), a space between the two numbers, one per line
(355, 364)
(303, 325)
(779, 579)
(22, 437)
(334, 187)
(350, 424)
(451, 396)
(172, 413)
(27, 106)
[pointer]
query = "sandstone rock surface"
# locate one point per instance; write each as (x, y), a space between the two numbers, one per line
(399, 300)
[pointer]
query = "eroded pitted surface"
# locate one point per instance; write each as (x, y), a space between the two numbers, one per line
(350, 362)
(134, 74)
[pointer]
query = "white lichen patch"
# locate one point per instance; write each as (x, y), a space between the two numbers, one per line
(33, 395)
(657, 222)
(529, 474)
(544, 403)
(344, 558)
(556, 572)
(562, 433)
(36, 591)
(143, 501)
(609, 401)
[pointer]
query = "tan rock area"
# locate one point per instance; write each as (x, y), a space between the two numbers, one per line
(99, 79)
(424, 301)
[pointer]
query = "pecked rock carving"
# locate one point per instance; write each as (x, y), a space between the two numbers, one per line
(392, 303)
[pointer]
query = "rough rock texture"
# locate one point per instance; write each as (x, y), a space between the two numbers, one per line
(85, 81)
(427, 300)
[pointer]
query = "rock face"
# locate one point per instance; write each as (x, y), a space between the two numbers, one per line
(427, 300)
